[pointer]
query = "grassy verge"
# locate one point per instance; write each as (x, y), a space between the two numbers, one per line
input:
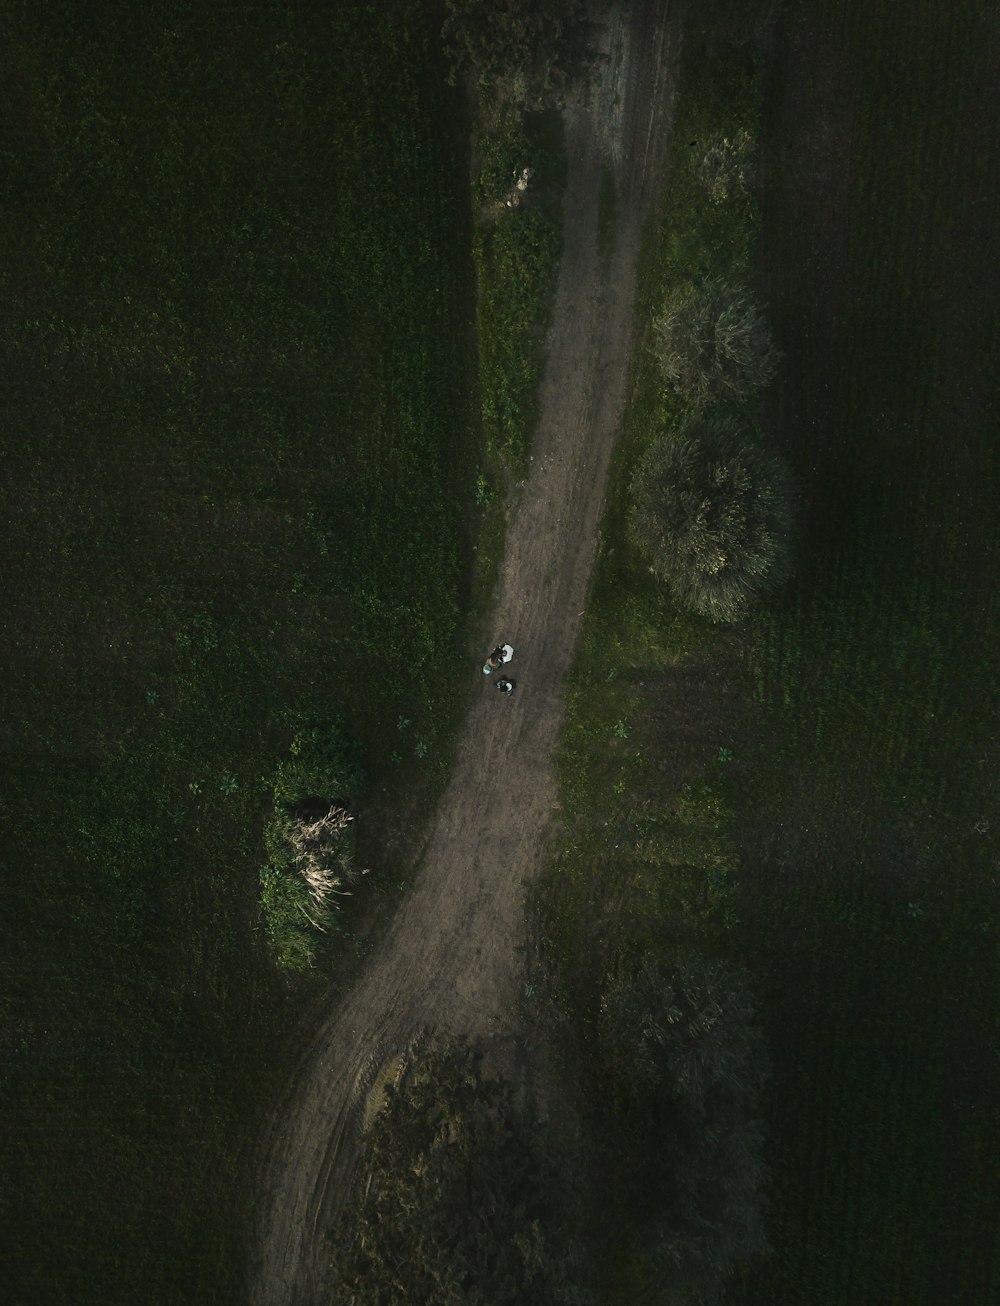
(516, 250)
(644, 868)
(239, 471)
(637, 646)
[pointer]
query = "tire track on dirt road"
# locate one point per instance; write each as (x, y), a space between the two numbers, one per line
(452, 957)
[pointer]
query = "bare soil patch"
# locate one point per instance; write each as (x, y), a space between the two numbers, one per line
(453, 956)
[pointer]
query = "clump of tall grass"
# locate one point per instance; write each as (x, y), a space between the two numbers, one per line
(712, 513)
(291, 922)
(310, 848)
(725, 167)
(713, 343)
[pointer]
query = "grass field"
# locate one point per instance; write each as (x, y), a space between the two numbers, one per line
(870, 892)
(239, 453)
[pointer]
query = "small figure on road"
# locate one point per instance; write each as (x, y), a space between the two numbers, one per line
(504, 685)
(502, 653)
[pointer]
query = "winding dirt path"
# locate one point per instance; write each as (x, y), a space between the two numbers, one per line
(453, 955)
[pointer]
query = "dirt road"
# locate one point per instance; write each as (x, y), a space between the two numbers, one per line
(452, 958)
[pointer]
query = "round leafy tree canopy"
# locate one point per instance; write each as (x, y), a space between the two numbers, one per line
(713, 343)
(712, 512)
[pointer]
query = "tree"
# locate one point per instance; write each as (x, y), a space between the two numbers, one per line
(686, 1064)
(712, 513)
(529, 50)
(455, 1212)
(713, 343)
(687, 1026)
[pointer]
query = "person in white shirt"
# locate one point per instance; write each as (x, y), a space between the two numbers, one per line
(502, 653)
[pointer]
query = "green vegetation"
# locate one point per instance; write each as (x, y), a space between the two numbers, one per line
(813, 794)
(712, 512)
(685, 1066)
(239, 466)
(640, 898)
(456, 1205)
(516, 56)
(712, 342)
(527, 52)
(516, 252)
(310, 845)
(727, 165)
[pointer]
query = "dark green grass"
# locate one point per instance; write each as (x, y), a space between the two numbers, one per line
(871, 853)
(239, 459)
(692, 239)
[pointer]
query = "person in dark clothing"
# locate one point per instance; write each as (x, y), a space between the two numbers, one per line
(504, 685)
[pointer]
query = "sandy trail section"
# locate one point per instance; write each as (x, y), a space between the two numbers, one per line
(452, 958)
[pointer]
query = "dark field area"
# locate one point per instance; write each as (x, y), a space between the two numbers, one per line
(239, 452)
(870, 897)
(242, 463)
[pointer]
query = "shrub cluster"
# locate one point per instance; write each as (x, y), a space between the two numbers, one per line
(712, 511)
(713, 343)
(318, 854)
(528, 52)
(726, 164)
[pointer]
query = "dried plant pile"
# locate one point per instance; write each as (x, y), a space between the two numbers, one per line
(320, 856)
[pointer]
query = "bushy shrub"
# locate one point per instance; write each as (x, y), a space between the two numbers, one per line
(713, 343)
(712, 513)
(455, 1211)
(686, 1065)
(687, 1027)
